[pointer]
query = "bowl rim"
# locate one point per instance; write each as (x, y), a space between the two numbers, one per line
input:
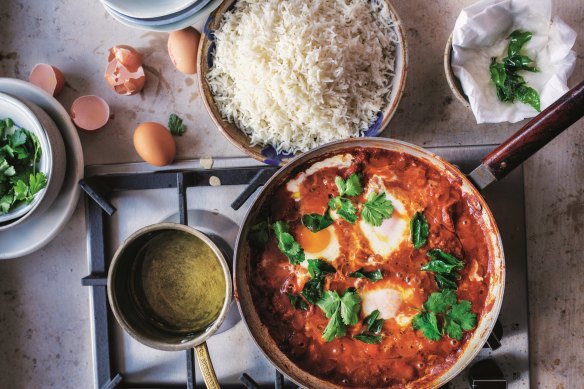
(45, 164)
(255, 152)
(453, 81)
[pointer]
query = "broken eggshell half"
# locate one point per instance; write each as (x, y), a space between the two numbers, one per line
(90, 113)
(124, 72)
(48, 78)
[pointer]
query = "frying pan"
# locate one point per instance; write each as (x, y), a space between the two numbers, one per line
(496, 165)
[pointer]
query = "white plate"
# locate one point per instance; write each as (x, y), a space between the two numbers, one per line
(145, 9)
(39, 230)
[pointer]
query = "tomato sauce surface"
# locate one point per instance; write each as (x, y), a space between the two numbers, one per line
(404, 357)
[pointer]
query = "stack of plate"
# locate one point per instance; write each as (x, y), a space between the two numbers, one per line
(160, 15)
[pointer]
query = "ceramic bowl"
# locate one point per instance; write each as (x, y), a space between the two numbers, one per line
(148, 8)
(52, 161)
(453, 81)
(268, 154)
(194, 9)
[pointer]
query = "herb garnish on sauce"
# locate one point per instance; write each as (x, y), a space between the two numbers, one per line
(419, 230)
(445, 268)
(342, 205)
(371, 276)
(342, 311)
(287, 244)
(509, 84)
(374, 326)
(376, 209)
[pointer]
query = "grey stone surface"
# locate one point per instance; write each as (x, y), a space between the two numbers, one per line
(44, 337)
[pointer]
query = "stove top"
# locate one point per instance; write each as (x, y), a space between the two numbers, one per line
(125, 197)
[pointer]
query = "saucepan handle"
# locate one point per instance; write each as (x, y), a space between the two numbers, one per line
(531, 137)
(206, 366)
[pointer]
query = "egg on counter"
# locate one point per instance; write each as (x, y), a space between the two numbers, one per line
(183, 46)
(154, 144)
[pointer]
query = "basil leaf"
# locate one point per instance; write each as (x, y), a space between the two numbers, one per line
(319, 268)
(297, 302)
(446, 281)
(312, 290)
(315, 222)
(518, 40)
(371, 276)
(374, 325)
(437, 254)
(287, 244)
(519, 62)
(369, 339)
(529, 96)
(419, 230)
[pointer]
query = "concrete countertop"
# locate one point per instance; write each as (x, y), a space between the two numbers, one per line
(44, 310)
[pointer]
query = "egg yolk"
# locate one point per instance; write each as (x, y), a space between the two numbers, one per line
(313, 242)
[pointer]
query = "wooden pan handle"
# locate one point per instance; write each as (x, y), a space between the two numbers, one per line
(206, 366)
(537, 133)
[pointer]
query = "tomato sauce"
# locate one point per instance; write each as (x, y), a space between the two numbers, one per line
(404, 356)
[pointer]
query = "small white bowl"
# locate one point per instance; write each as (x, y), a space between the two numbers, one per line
(30, 117)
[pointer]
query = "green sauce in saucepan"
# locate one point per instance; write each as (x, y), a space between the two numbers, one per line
(182, 286)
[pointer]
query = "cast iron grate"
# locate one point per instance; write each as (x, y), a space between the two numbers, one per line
(484, 375)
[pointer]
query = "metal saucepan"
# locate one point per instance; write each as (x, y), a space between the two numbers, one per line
(138, 321)
(530, 138)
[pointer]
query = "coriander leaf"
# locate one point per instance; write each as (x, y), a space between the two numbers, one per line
(36, 182)
(287, 244)
(369, 339)
(5, 203)
(319, 268)
(461, 314)
(350, 307)
(175, 125)
(312, 290)
(329, 303)
(259, 234)
(428, 324)
(335, 328)
(419, 230)
(371, 276)
(20, 190)
(18, 138)
(344, 209)
(529, 96)
(518, 40)
(452, 329)
(315, 222)
(351, 187)
(446, 281)
(439, 302)
(297, 302)
(8, 123)
(377, 208)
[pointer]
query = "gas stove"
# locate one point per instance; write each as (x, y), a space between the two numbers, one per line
(122, 198)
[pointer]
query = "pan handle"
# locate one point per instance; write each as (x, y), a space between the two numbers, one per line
(530, 138)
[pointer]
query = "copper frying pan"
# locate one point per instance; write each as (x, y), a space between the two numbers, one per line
(496, 165)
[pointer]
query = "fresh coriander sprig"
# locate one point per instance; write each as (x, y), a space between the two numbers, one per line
(341, 310)
(455, 317)
(342, 205)
(287, 244)
(175, 125)
(376, 209)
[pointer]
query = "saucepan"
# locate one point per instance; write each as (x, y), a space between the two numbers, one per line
(524, 143)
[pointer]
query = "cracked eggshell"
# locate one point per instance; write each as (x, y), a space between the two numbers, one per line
(48, 78)
(90, 113)
(123, 81)
(182, 48)
(154, 144)
(127, 56)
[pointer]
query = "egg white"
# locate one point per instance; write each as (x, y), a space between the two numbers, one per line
(387, 237)
(329, 253)
(387, 300)
(340, 161)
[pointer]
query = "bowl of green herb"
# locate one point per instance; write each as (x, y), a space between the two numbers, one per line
(32, 160)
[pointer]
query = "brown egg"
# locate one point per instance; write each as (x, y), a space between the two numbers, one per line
(48, 78)
(182, 48)
(154, 144)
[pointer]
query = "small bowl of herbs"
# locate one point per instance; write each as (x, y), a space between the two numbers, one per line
(26, 161)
